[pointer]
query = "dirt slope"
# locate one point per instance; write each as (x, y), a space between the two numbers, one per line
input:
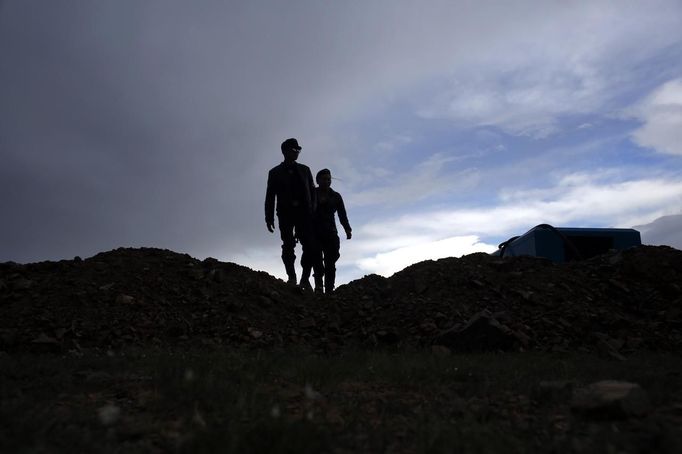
(615, 304)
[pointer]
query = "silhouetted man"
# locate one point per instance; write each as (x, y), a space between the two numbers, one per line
(326, 237)
(291, 184)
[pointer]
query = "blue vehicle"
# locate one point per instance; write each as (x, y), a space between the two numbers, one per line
(564, 244)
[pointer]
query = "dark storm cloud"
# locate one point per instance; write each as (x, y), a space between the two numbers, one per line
(154, 123)
(127, 124)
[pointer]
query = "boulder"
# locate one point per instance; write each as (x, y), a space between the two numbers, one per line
(611, 399)
(481, 333)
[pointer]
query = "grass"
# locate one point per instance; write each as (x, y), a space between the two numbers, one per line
(239, 401)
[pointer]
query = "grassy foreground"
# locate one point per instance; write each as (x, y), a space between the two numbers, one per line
(295, 402)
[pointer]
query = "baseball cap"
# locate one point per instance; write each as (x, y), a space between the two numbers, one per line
(291, 143)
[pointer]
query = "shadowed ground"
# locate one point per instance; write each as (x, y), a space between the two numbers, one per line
(149, 350)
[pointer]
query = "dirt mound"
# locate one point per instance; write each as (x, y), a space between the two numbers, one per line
(615, 303)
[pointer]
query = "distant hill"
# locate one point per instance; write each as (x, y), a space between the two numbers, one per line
(666, 230)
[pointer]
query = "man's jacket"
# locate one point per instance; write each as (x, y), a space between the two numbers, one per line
(292, 185)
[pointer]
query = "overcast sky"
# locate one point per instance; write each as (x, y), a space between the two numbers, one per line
(449, 126)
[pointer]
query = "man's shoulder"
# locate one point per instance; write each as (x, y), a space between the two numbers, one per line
(303, 167)
(277, 168)
(304, 170)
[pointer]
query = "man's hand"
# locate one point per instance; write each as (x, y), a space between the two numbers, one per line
(271, 226)
(349, 235)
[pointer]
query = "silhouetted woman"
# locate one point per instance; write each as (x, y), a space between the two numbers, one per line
(326, 236)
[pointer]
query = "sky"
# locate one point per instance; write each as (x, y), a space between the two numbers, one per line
(448, 126)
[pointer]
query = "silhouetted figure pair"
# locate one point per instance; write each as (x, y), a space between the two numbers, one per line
(306, 214)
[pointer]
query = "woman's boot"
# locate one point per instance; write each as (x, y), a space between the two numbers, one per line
(329, 277)
(318, 284)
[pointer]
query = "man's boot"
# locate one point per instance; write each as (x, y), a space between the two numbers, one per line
(329, 278)
(305, 279)
(291, 273)
(318, 284)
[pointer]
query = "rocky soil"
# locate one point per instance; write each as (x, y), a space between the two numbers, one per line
(614, 304)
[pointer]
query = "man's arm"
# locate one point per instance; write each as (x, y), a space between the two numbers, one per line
(313, 192)
(270, 203)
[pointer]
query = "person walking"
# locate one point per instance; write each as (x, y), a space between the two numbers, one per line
(326, 235)
(291, 189)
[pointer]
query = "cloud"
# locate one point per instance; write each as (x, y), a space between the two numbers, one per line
(661, 114)
(576, 200)
(425, 179)
(527, 100)
(666, 230)
(529, 82)
(391, 144)
(387, 263)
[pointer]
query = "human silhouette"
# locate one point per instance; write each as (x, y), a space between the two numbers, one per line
(326, 238)
(291, 188)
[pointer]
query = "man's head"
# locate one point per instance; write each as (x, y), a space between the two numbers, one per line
(290, 149)
(324, 178)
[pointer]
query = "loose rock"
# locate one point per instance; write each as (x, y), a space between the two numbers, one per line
(611, 399)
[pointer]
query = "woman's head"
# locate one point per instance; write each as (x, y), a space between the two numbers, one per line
(324, 178)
